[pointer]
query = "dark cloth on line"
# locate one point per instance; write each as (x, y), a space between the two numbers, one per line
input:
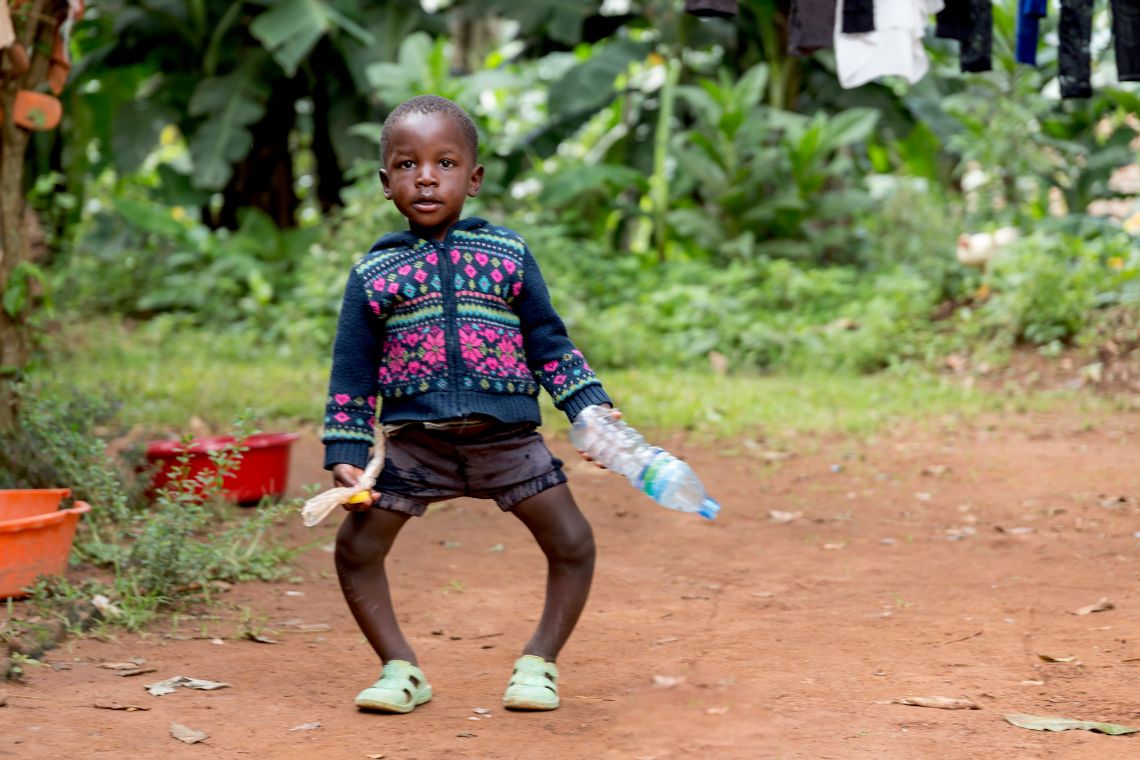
(859, 16)
(1074, 60)
(977, 45)
(1126, 30)
(811, 26)
(953, 21)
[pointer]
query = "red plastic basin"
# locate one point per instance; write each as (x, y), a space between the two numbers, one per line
(264, 469)
(35, 544)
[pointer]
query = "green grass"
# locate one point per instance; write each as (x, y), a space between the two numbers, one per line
(166, 377)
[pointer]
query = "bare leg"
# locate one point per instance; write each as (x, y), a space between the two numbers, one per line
(566, 539)
(362, 544)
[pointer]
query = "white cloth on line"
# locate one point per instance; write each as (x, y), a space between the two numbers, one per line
(893, 48)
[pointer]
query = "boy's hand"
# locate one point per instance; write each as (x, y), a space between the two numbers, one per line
(617, 415)
(347, 476)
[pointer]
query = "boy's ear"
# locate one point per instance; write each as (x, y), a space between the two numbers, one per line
(387, 185)
(476, 181)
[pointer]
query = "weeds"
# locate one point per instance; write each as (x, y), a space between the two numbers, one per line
(144, 557)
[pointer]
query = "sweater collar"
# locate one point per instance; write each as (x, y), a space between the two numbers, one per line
(408, 238)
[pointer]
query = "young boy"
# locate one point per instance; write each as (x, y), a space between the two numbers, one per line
(450, 325)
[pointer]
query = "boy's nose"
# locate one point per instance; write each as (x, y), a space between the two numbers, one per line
(426, 176)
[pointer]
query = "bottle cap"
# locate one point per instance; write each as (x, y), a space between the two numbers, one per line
(709, 509)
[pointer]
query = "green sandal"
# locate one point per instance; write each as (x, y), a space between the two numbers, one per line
(401, 688)
(533, 685)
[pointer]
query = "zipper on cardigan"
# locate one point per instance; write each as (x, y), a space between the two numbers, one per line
(450, 323)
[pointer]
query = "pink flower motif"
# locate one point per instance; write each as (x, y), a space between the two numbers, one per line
(371, 421)
(509, 359)
(372, 401)
(384, 376)
(509, 266)
(393, 287)
(420, 275)
(342, 398)
(415, 367)
(518, 339)
(492, 363)
(496, 275)
(516, 288)
(341, 417)
(434, 339)
(433, 354)
(404, 269)
(378, 284)
(550, 366)
(469, 270)
(506, 347)
(576, 352)
(432, 258)
(412, 338)
(454, 256)
(481, 258)
(490, 334)
(559, 379)
(375, 307)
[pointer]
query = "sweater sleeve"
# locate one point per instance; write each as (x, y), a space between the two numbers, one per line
(553, 360)
(350, 409)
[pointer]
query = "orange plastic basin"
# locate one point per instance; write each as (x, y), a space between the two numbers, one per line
(16, 503)
(32, 545)
(263, 471)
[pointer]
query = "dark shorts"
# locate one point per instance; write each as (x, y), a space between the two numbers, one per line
(487, 460)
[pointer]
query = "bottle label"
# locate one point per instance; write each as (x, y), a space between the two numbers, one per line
(651, 482)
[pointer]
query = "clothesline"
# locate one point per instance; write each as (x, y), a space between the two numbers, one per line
(874, 38)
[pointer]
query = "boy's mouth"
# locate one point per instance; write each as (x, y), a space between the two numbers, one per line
(426, 205)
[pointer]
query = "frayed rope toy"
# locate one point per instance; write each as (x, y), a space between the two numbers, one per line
(320, 506)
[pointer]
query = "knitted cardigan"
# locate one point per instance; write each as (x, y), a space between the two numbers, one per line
(440, 330)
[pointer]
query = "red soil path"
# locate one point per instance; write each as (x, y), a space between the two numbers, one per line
(940, 561)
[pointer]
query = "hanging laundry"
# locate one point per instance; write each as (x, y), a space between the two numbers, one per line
(1029, 15)
(953, 23)
(811, 26)
(723, 8)
(859, 15)
(1074, 61)
(971, 22)
(1126, 31)
(895, 47)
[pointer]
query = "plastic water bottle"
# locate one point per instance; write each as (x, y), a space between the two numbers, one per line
(652, 470)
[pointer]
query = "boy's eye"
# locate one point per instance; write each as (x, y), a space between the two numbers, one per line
(447, 163)
(407, 164)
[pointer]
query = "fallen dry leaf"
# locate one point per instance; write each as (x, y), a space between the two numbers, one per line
(307, 726)
(260, 638)
(117, 706)
(668, 682)
(1042, 723)
(119, 665)
(170, 685)
(1050, 658)
(781, 517)
(186, 734)
(1099, 606)
(941, 703)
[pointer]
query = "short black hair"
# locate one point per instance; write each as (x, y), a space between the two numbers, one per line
(431, 104)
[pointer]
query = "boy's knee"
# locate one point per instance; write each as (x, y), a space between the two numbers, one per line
(575, 547)
(357, 549)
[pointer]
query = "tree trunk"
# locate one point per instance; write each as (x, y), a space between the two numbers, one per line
(264, 179)
(35, 30)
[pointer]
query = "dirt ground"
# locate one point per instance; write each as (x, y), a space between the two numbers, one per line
(938, 560)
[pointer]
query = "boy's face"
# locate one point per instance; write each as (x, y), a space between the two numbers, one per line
(429, 172)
